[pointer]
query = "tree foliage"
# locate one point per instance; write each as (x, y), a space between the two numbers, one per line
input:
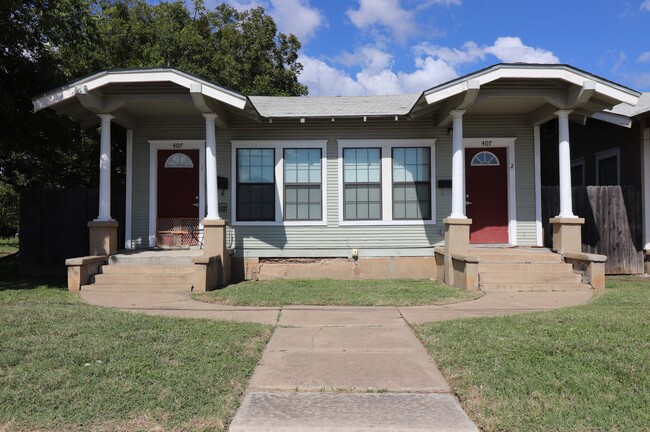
(46, 43)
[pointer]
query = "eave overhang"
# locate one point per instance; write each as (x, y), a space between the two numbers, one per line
(83, 98)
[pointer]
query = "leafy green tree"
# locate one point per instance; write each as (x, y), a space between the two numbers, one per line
(46, 43)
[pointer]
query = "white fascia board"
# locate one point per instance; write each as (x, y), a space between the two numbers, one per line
(567, 75)
(612, 118)
(53, 98)
(96, 81)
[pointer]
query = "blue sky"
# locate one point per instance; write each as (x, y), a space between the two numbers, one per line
(353, 47)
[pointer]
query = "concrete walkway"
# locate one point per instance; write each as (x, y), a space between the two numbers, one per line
(345, 368)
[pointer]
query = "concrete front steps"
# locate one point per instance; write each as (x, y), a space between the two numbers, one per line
(147, 271)
(514, 269)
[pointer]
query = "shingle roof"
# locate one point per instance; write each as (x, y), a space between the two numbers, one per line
(333, 106)
(642, 107)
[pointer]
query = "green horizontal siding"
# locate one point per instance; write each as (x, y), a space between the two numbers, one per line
(335, 240)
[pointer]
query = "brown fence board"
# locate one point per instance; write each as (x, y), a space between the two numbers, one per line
(53, 227)
(613, 223)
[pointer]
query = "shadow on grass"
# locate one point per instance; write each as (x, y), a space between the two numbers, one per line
(11, 279)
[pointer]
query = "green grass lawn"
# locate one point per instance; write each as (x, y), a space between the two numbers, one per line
(585, 368)
(8, 246)
(66, 365)
(283, 292)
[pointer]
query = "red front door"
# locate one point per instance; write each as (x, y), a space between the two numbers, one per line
(178, 197)
(486, 185)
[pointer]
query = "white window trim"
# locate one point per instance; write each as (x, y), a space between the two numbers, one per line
(607, 154)
(154, 146)
(387, 178)
(279, 146)
(128, 244)
(509, 144)
(537, 144)
(579, 162)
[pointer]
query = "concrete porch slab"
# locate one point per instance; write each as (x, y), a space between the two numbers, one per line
(345, 412)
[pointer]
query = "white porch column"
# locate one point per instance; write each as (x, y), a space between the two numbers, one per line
(646, 185)
(457, 168)
(211, 167)
(105, 169)
(566, 206)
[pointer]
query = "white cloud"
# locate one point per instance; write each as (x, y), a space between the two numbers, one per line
(433, 65)
(323, 79)
(291, 16)
(469, 53)
(511, 50)
(387, 13)
(297, 17)
(370, 58)
(430, 73)
(644, 57)
(645, 5)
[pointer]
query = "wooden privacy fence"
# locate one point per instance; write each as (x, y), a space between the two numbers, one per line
(53, 227)
(613, 223)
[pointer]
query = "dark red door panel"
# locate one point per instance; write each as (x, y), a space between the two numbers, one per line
(486, 185)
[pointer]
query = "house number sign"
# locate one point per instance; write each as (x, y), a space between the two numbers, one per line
(177, 145)
(486, 143)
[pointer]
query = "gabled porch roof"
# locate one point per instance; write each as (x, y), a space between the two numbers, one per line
(535, 90)
(129, 94)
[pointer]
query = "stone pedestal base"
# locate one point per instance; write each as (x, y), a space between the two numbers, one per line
(567, 237)
(214, 244)
(456, 242)
(102, 237)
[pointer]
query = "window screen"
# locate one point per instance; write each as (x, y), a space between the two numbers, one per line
(255, 185)
(302, 184)
(411, 183)
(362, 183)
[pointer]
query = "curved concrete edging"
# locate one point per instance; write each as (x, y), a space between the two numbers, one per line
(182, 305)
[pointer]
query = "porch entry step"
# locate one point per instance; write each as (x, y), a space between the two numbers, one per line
(529, 278)
(495, 287)
(543, 267)
(138, 288)
(514, 258)
(124, 269)
(155, 257)
(142, 278)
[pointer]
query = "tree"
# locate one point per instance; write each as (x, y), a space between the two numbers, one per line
(46, 43)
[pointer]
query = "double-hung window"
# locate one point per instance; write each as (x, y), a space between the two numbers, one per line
(255, 184)
(362, 183)
(411, 183)
(302, 184)
(386, 181)
(279, 182)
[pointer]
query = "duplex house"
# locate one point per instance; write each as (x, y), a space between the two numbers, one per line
(379, 179)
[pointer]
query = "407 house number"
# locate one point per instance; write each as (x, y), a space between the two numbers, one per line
(486, 143)
(177, 145)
